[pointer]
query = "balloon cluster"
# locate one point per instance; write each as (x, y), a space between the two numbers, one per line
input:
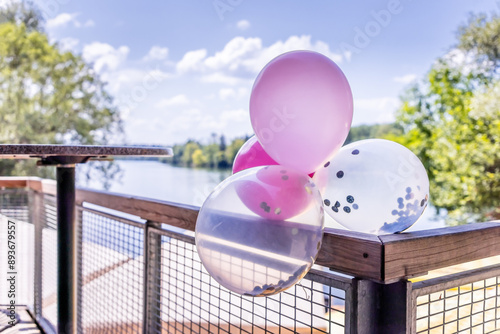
(260, 231)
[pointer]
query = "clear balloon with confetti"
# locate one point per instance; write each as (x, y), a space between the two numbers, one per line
(260, 230)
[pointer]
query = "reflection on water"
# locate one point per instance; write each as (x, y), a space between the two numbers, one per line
(156, 180)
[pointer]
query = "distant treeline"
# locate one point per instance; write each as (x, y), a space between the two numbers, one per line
(220, 154)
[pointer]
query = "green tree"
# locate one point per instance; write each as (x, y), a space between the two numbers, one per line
(48, 96)
(198, 158)
(211, 157)
(452, 123)
(187, 155)
(232, 149)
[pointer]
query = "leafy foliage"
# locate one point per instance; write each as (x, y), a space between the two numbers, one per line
(452, 122)
(47, 96)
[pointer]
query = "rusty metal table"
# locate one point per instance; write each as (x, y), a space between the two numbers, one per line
(65, 158)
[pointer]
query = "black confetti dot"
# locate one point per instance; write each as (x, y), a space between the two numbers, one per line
(285, 177)
(265, 207)
(355, 152)
(340, 174)
(350, 199)
(347, 209)
(355, 206)
(327, 164)
(337, 204)
(327, 202)
(334, 208)
(282, 171)
(422, 202)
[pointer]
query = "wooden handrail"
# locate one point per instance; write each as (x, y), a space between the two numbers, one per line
(386, 258)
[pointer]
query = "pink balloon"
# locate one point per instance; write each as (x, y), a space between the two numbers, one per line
(277, 193)
(301, 109)
(251, 154)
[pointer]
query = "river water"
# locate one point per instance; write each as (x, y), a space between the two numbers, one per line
(156, 180)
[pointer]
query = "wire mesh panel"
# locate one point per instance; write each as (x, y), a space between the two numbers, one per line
(186, 299)
(14, 204)
(49, 259)
(112, 266)
(461, 303)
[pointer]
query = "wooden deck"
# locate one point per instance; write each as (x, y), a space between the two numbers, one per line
(25, 323)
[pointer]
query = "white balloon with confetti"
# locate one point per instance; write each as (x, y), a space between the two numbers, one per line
(375, 186)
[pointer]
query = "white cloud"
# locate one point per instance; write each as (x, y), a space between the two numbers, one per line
(221, 78)
(238, 115)
(89, 23)
(292, 43)
(62, 20)
(156, 53)
(249, 55)
(243, 24)
(233, 54)
(232, 93)
(374, 110)
(104, 56)
(405, 79)
(177, 100)
(192, 61)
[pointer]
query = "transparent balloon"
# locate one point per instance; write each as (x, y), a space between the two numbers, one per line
(375, 186)
(260, 250)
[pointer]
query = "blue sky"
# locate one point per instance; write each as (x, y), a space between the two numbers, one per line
(185, 69)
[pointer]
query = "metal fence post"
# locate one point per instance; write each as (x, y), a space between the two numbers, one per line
(152, 279)
(381, 308)
(79, 269)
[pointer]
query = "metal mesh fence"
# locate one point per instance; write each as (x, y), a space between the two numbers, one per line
(111, 280)
(49, 259)
(186, 299)
(468, 304)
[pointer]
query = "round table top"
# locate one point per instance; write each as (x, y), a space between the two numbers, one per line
(42, 150)
(78, 153)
